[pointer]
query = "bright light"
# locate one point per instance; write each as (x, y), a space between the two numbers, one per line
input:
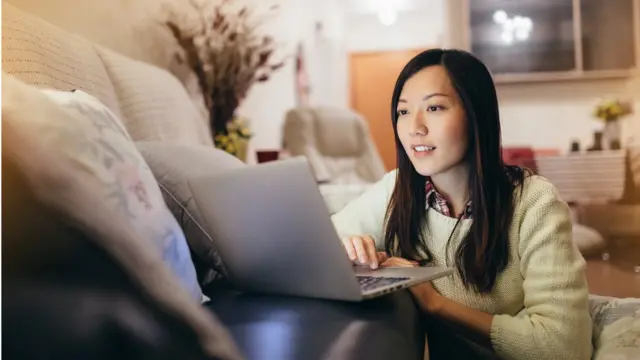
(507, 37)
(387, 17)
(499, 16)
(517, 28)
(521, 34)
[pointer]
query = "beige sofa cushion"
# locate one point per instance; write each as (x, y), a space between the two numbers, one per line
(87, 170)
(43, 55)
(133, 28)
(154, 104)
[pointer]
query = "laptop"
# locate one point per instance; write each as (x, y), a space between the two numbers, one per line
(274, 235)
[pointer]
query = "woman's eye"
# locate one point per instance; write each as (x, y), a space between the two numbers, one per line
(434, 108)
(402, 112)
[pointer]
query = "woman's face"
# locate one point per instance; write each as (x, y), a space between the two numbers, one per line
(432, 124)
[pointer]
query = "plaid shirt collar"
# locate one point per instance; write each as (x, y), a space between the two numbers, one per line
(436, 201)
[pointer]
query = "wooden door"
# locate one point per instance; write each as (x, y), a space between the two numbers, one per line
(373, 75)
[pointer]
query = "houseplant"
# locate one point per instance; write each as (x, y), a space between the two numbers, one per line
(227, 51)
(610, 112)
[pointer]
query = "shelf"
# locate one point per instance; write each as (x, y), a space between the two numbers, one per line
(517, 78)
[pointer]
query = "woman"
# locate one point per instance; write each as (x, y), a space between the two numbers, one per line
(520, 282)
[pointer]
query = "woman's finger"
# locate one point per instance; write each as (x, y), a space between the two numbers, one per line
(372, 255)
(351, 251)
(361, 252)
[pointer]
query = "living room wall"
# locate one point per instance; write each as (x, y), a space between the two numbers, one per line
(413, 30)
(317, 26)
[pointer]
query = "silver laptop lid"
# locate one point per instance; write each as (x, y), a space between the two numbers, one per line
(273, 230)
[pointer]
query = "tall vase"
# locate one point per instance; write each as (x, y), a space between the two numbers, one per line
(612, 134)
(219, 117)
(241, 149)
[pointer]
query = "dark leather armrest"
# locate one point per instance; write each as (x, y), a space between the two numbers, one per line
(287, 328)
(43, 320)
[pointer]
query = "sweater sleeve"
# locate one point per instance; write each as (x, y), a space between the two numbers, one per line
(365, 215)
(555, 323)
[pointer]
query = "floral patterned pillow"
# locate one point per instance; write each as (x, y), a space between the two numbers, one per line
(616, 328)
(103, 146)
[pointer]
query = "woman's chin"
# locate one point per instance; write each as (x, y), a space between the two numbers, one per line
(424, 169)
(433, 168)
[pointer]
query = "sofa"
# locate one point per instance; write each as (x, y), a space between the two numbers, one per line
(78, 301)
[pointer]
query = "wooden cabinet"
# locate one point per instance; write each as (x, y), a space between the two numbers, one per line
(537, 40)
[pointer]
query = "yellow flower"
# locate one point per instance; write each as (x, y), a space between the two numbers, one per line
(609, 110)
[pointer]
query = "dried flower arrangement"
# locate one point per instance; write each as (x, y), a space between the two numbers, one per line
(228, 53)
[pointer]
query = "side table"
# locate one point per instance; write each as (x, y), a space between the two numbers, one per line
(595, 182)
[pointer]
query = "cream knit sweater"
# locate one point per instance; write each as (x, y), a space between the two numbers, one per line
(540, 301)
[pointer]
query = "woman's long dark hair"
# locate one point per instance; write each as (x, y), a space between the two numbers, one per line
(484, 252)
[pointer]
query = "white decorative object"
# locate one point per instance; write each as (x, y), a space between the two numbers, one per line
(611, 133)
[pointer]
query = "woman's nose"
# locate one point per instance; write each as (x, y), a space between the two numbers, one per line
(418, 125)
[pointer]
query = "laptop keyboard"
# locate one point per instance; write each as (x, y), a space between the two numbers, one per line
(372, 282)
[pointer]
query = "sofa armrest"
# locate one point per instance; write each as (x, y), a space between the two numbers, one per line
(66, 320)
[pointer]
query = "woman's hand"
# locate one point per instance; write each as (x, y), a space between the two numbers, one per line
(362, 249)
(398, 262)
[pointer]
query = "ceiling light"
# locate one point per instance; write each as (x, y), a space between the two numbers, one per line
(387, 17)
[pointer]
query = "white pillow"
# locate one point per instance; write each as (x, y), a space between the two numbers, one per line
(616, 328)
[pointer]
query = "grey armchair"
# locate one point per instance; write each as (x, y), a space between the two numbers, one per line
(336, 142)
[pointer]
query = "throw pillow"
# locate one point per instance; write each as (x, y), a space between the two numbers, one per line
(86, 170)
(101, 143)
(168, 163)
